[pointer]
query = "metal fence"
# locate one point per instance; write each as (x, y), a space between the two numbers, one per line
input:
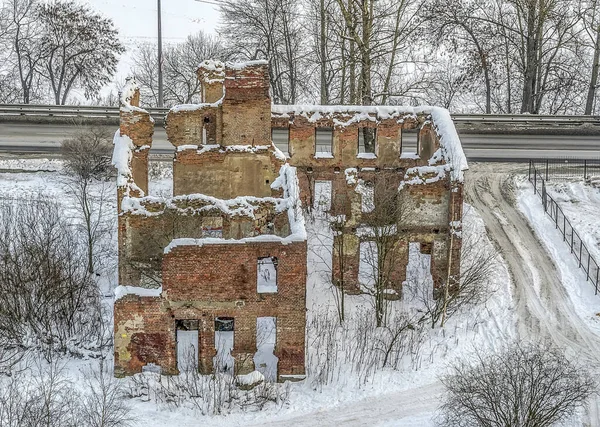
(567, 167)
(585, 260)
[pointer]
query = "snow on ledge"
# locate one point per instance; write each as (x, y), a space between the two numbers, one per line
(271, 238)
(323, 155)
(242, 65)
(123, 291)
(252, 378)
(366, 156)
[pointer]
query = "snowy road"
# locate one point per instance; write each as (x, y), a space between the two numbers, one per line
(544, 308)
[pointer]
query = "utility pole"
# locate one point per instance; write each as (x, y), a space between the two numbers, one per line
(160, 60)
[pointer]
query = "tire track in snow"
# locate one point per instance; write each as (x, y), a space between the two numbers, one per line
(544, 309)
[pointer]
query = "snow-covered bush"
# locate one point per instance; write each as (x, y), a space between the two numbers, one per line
(42, 394)
(524, 385)
(356, 349)
(49, 299)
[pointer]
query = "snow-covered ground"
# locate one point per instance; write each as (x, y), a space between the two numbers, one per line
(580, 201)
(408, 393)
(581, 205)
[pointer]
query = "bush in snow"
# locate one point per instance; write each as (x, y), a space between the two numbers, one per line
(43, 395)
(49, 299)
(525, 385)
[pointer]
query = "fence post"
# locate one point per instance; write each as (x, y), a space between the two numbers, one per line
(546, 169)
(584, 169)
(597, 277)
(588, 268)
(534, 181)
(571, 238)
(580, 248)
(564, 227)
(529, 170)
(544, 197)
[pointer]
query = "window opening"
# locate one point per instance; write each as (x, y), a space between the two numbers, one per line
(324, 142)
(366, 189)
(281, 139)
(266, 281)
(367, 138)
(408, 143)
(187, 345)
(322, 196)
(224, 335)
(265, 360)
(418, 269)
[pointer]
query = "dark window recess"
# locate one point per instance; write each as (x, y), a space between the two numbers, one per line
(186, 325)
(324, 140)
(281, 139)
(366, 140)
(224, 324)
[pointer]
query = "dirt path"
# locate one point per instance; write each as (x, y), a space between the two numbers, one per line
(544, 309)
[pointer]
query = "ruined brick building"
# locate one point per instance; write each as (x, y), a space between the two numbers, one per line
(229, 249)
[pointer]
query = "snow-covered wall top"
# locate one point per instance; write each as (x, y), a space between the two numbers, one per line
(345, 115)
(128, 95)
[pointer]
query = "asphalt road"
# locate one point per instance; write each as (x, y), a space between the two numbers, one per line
(46, 138)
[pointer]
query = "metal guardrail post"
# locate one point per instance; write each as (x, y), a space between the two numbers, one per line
(546, 169)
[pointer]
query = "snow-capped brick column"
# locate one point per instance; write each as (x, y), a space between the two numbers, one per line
(246, 104)
(211, 75)
(138, 126)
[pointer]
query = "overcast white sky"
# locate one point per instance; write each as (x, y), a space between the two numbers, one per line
(137, 21)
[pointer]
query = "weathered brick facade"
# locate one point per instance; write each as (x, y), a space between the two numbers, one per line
(237, 199)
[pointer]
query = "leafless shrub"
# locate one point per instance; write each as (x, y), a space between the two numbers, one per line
(211, 394)
(102, 404)
(38, 396)
(525, 385)
(357, 349)
(87, 156)
(49, 301)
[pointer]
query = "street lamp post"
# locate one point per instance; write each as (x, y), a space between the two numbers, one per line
(160, 60)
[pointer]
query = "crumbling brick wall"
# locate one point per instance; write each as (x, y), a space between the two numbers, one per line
(435, 204)
(200, 253)
(199, 250)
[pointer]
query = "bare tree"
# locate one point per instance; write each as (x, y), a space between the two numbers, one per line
(80, 48)
(22, 40)
(381, 220)
(478, 267)
(271, 30)
(524, 385)
(179, 68)
(87, 156)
